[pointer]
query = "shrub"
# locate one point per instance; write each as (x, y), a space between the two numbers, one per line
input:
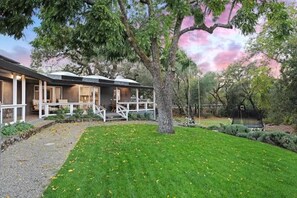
(233, 129)
(90, 113)
(243, 135)
(140, 116)
(132, 116)
(50, 118)
(147, 116)
(214, 127)
(61, 113)
(16, 128)
(78, 113)
(280, 139)
(255, 135)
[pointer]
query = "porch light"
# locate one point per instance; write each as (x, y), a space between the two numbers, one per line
(18, 77)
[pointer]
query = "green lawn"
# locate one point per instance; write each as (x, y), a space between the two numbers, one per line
(206, 122)
(213, 121)
(135, 161)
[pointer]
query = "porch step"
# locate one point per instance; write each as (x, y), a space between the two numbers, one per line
(113, 116)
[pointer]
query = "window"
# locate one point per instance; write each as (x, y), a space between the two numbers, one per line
(117, 94)
(53, 93)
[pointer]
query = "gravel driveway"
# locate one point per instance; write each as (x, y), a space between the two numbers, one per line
(27, 166)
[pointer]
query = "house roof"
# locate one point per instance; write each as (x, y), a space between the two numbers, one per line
(63, 73)
(13, 66)
(67, 78)
(96, 77)
(122, 79)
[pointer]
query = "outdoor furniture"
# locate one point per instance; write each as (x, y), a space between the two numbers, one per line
(248, 117)
(35, 104)
(63, 103)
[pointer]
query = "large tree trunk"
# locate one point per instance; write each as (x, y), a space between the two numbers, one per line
(164, 93)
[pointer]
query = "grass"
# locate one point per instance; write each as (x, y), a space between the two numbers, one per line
(135, 161)
(206, 122)
(213, 121)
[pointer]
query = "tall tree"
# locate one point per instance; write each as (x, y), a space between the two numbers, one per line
(283, 98)
(244, 83)
(152, 28)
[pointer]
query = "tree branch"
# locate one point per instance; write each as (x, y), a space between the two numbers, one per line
(89, 2)
(131, 37)
(231, 10)
(205, 28)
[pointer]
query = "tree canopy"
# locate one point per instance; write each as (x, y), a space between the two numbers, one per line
(151, 27)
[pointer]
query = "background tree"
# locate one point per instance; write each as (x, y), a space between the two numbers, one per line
(152, 28)
(244, 83)
(186, 72)
(283, 108)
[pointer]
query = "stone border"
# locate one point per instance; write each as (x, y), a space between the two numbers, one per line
(23, 136)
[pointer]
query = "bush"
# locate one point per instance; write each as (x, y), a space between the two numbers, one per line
(52, 117)
(280, 139)
(214, 127)
(140, 116)
(78, 113)
(147, 116)
(61, 113)
(233, 129)
(243, 135)
(255, 135)
(90, 113)
(132, 116)
(16, 128)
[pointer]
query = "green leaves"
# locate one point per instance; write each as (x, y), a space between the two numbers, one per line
(15, 16)
(216, 6)
(245, 20)
(198, 16)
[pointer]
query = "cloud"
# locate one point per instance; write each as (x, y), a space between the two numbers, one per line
(204, 66)
(18, 53)
(193, 38)
(234, 46)
(224, 59)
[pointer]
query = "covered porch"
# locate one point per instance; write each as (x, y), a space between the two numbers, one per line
(24, 92)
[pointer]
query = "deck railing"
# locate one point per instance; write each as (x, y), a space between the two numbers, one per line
(51, 108)
(4, 111)
(101, 111)
(138, 106)
(122, 111)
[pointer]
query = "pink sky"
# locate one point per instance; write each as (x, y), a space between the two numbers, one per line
(211, 52)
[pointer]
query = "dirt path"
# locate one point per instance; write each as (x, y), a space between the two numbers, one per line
(27, 166)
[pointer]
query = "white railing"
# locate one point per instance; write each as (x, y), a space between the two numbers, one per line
(50, 108)
(138, 106)
(101, 111)
(122, 111)
(13, 113)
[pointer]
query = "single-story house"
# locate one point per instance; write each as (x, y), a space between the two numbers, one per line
(25, 93)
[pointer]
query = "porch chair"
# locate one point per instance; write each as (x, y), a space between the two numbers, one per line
(63, 101)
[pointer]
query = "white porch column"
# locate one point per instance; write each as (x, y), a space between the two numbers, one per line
(94, 99)
(23, 98)
(14, 96)
(137, 99)
(54, 95)
(154, 104)
(45, 98)
(40, 99)
(1, 114)
(99, 96)
(116, 95)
